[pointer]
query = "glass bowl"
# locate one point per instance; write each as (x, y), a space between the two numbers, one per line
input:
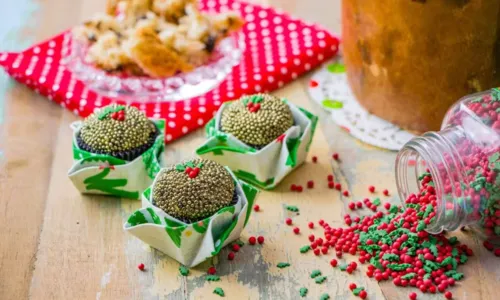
(181, 86)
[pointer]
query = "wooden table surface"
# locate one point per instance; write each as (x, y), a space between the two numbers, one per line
(57, 244)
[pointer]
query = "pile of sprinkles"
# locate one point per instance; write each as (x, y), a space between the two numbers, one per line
(396, 246)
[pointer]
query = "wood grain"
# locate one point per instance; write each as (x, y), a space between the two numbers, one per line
(58, 244)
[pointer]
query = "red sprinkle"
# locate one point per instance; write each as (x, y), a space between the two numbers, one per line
(310, 225)
(313, 83)
(141, 267)
(371, 188)
(488, 245)
(236, 247)
(335, 156)
(386, 193)
(316, 251)
(497, 252)
(293, 187)
(412, 296)
(311, 238)
(387, 205)
(310, 184)
(288, 221)
(448, 295)
(330, 177)
(345, 193)
(296, 230)
(314, 159)
(252, 240)
(352, 206)
(299, 188)
(359, 204)
(324, 250)
(352, 286)
(363, 294)
(230, 256)
(331, 184)
(333, 262)
(260, 239)
(256, 207)
(338, 186)
(211, 270)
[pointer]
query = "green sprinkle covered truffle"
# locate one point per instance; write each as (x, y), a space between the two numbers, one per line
(257, 120)
(194, 190)
(116, 130)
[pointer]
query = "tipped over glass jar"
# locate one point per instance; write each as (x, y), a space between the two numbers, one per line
(463, 163)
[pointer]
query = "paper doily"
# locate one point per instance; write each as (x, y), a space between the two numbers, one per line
(329, 87)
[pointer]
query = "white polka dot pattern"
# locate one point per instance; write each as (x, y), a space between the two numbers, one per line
(278, 50)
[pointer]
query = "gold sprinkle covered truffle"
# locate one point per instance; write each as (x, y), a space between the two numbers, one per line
(194, 190)
(117, 129)
(257, 120)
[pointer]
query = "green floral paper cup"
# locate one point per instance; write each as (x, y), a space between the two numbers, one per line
(191, 244)
(101, 174)
(264, 168)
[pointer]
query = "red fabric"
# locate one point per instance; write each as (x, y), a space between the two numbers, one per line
(278, 49)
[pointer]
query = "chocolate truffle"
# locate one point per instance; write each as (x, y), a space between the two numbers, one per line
(257, 120)
(120, 131)
(194, 190)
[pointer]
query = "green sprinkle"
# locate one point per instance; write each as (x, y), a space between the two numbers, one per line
(427, 276)
(212, 278)
(240, 243)
(376, 201)
(324, 297)
(320, 279)
(447, 261)
(457, 276)
(282, 265)
(376, 263)
(184, 271)
(431, 265)
(343, 267)
(398, 267)
(463, 259)
(303, 292)
(421, 226)
(219, 291)
(292, 208)
(409, 276)
(315, 273)
(305, 249)
(393, 209)
(421, 177)
(390, 257)
(453, 240)
(428, 209)
(454, 252)
(356, 291)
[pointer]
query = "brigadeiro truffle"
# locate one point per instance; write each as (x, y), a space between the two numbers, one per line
(257, 120)
(194, 190)
(120, 131)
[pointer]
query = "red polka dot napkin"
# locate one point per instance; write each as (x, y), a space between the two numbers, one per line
(278, 50)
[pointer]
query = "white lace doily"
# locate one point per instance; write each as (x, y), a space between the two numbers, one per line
(329, 87)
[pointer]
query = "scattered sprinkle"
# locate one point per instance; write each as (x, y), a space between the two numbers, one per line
(212, 278)
(252, 240)
(338, 186)
(260, 239)
(288, 221)
(310, 225)
(310, 184)
(333, 262)
(296, 230)
(352, 286)
(376, 202)
(219, 291)
(371, 188)
(320, 279)
(331, 184)
(211, 271)
(236, 247)
(314, 159)
(305, 249)
(357, 290)
(303, 292)
(256, 207)
(141, 267)
(386, 192)
(240, 243)
(315, 273)
(292, 208)
(363, 294)
(335, 156)
(230, 256)
(184, 271)
(330, 178)
(282, 265)
(345, 193)
(324, 297)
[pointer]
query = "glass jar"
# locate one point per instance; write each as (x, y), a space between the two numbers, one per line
(462, 161)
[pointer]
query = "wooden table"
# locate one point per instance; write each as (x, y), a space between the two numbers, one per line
(57, 244)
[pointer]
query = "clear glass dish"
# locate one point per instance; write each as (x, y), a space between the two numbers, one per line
(181, 86)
